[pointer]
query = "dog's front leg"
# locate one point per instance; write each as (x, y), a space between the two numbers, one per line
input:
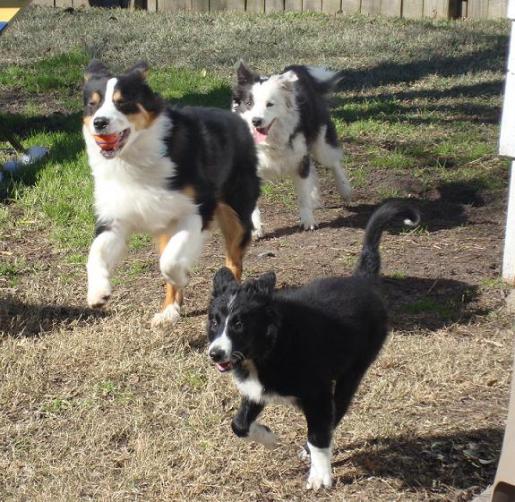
(244, 424)
(319, 416)
(306, 185)
(107, 249)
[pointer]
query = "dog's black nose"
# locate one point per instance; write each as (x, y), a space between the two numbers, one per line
(217, 355)
(257, 121)
(100, 123)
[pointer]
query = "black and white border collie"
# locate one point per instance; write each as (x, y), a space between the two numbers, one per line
(167, 172)
(310, 346)
(291, 125)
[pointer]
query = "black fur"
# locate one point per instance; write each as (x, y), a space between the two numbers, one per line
(313, 343)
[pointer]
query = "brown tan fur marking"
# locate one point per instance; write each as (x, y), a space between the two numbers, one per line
(143, 119)
(233, 233)
(172, 294)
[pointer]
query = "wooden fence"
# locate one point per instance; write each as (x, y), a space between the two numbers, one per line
(400, 8)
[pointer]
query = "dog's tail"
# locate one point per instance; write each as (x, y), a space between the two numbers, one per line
(325, 80)
(370, 261)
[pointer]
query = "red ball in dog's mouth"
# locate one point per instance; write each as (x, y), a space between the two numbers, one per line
(111, 143)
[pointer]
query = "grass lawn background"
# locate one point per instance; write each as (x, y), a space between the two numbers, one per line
(100, 406)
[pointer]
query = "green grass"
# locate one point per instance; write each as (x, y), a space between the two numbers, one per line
(429, 305)
(407, 106)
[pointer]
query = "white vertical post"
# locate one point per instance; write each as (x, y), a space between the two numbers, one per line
(508, 264)
(507, 148)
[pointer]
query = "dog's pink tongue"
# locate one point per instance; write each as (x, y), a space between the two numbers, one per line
(259, 137)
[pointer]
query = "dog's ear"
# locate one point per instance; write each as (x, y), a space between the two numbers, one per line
(244, 75)
(96, 69)
(140, 69)
(266, 283)
(288, 79)
(222, 280)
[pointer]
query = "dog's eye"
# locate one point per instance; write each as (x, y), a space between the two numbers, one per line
(237, 324)
(214, 323)
(92, 103)
(269, 104)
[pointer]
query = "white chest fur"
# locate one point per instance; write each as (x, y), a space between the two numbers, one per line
(253, 389)
(132, 188)
(280, 159)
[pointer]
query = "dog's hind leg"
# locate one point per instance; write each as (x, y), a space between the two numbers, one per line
(173, 295)
(178, 256)
(237, 237)
(344, 391)
(258, 231)
(319, 414)
(306, 186)
(328, 153)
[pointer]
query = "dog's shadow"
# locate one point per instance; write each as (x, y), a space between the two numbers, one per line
(25, 320)
(445, 211)
(420, 303)
(458, 459)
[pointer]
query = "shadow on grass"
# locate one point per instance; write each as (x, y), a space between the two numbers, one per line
(63, 149)
(491, 58)
(25, 320)
(444, 210)
(463, 459)
(396, 106)
(416, 303)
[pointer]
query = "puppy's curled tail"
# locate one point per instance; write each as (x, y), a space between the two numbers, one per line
(370, 261)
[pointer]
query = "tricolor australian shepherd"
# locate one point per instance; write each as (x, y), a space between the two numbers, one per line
(290, 122)
(167, 172)
(310, 346)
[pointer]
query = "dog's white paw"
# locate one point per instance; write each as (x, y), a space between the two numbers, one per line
(262, 434)
(258, 232)
(168, 317)
(317, 480)
(99, 291)
(309, 224)
(345, 191)
(304, 454)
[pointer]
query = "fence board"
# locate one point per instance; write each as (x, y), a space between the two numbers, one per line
(351, 6)
(80, 3)
(274, 5)
(48, 3)
(293, 5)
(312, 5)
(200, 5)
(152, 5)
(371, 7)
(497, 9)
(63, 3)
(391, 8)
(226, 5)
(413, 9)
(331, 6)
(477, 8)
(255, 6)
(174, 5)
(436, 8)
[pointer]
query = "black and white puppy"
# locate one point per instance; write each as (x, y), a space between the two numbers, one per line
(291, 125)
(310, 346)
(165, 171)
